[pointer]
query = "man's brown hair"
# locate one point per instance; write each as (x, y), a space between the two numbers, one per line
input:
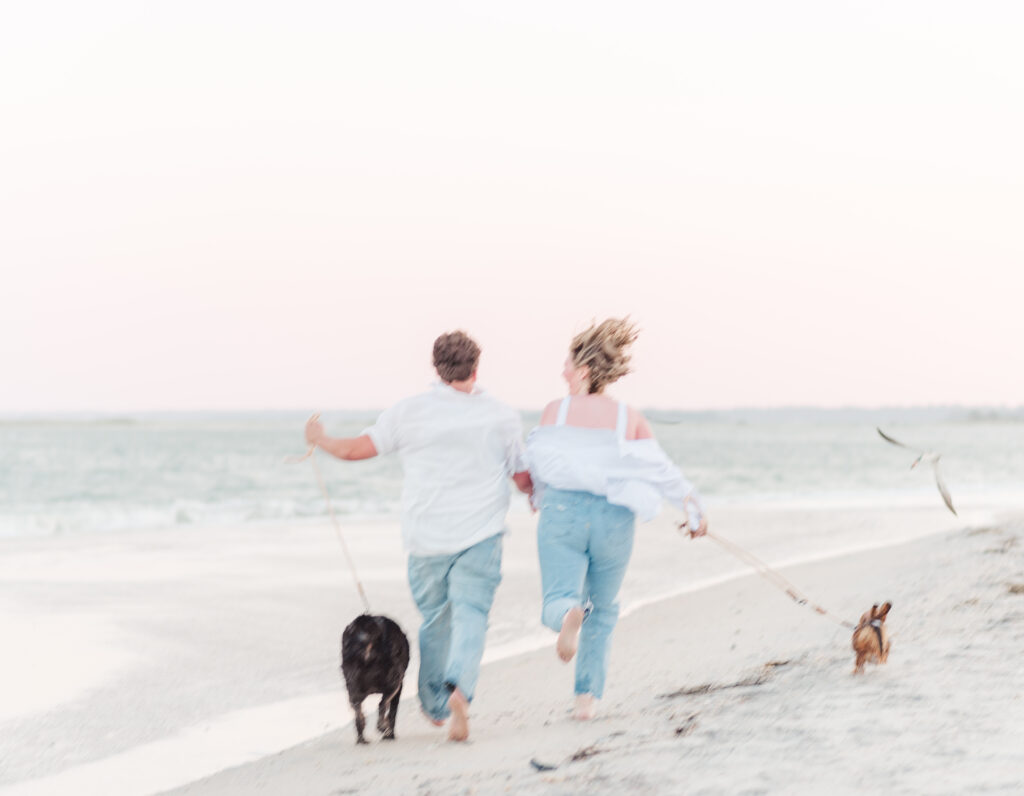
(456, 356)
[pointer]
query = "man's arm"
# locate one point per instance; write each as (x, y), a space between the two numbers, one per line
(347, 448)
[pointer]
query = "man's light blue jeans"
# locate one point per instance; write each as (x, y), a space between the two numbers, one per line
(454, 594)
(584, 543)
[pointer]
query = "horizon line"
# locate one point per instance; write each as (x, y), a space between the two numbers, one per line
(117, 413)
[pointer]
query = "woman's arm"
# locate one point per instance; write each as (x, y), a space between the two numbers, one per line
(347, 448)
(682, 492)
(638, 427)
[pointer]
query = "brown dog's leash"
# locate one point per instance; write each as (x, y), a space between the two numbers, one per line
(772, 576)
(311, 455)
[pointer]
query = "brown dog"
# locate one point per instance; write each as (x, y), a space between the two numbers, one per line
(871, 639)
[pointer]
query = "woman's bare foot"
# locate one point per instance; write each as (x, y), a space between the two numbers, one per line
(568, 638)
(585, 707)
(459, 705)
(432, 720)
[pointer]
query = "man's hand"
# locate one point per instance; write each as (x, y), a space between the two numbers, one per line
(314, 430)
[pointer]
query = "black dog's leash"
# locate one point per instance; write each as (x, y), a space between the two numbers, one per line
(311, 455)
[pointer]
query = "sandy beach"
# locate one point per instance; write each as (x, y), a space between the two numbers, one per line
(735, 689)
(208, 664)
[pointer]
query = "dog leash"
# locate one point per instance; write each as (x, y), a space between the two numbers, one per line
(311, 455)
(772, 576)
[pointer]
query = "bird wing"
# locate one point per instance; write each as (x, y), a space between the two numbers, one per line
(943, 490)
(887, 438)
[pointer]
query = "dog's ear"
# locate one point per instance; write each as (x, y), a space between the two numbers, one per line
(883, 611)
(874, 612)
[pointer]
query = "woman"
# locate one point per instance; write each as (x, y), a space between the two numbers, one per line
(595, 466)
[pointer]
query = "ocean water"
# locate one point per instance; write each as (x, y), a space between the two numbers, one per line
(75, 475)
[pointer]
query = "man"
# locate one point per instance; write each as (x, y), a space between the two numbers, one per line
(458, 447)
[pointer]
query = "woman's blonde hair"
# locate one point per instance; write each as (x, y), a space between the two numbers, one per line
(602, 348)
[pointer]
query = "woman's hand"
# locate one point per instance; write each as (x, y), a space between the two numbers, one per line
(693, 533)
(314, 430)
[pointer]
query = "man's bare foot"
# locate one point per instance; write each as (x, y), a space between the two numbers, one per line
(585, 707)
(459, 705)
(568, 638)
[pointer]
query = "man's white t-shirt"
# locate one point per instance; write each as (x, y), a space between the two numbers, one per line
(458, 451)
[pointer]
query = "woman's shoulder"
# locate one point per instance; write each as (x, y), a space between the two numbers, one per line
(637, 426)
(550, 413)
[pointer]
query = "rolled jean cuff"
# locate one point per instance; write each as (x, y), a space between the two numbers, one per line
(434, 708)
(554, 612)
(452, 682)
(451, 685)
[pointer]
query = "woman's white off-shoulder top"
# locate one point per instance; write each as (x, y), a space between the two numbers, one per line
(633, 473)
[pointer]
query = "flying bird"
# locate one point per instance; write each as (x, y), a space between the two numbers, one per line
(929, 458)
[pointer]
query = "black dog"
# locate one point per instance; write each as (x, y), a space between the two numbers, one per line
(374, 657)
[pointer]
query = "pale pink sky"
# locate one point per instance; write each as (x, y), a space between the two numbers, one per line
(217, 205)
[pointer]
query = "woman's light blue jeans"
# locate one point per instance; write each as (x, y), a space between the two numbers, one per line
(454, 594)
(584, 543)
